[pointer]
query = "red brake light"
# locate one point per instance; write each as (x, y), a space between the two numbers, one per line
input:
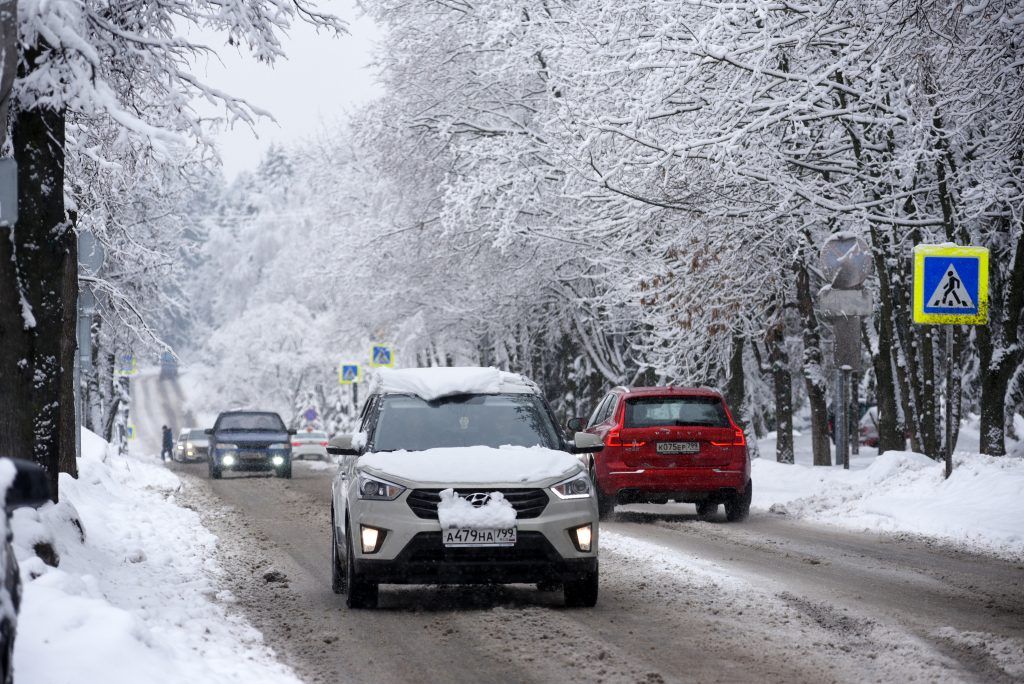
(738, 439)
(614, 439)
(296, 443)
(323, 443)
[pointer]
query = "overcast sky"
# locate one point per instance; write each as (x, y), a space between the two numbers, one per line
(322, 78)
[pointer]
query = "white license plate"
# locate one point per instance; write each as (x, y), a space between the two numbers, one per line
(505, 536)
(678, 447)
(252, 455)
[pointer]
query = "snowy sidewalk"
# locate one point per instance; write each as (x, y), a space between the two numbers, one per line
(137, 601)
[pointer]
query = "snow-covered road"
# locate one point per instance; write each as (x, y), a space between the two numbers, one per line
(771, 599)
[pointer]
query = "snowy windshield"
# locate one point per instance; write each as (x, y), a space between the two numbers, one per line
(250, 421)
(662, 411)
(493, 420)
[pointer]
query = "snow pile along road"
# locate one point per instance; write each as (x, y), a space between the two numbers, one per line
(980, 506)
(133, 598)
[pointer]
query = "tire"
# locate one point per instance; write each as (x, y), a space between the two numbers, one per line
(605, 503)
(215, 472)
(285, 471)
(706, 509)
(337, 573)
(581, 593)
(738, 507)
(360, 593)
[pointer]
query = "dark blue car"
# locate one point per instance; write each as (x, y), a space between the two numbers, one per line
(250, 441)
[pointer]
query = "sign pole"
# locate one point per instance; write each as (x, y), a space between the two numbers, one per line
(846, 372)
(949, 400)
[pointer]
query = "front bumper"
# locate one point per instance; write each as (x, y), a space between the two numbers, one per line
(412, 551)
(264, 461)
(425, 560)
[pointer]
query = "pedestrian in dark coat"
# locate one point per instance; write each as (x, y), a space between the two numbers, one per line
(168, 444)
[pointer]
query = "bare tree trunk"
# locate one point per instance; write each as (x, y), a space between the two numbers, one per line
(782, 379)
(814, 371)
(735, 391)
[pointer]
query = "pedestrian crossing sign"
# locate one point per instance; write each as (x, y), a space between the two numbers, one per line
(950, 285)
(348, 373)
(382, 357)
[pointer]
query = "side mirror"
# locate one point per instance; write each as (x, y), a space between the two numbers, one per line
(575, 425)
(208, 431)
(31, 486)
(587, 443)
(292, 431)
(341, 445)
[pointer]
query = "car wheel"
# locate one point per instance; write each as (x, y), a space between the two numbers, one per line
(737, 508)
(337, 574)
(215, 472)
(706, 509)
(581, 593)
(285, 471)
(361, 594)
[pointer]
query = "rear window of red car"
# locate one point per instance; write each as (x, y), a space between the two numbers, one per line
(682, 411)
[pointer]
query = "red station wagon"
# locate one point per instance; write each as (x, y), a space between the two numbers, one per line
(675, 443)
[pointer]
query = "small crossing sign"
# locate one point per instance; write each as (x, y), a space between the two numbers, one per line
(382, 357)
(348, 373)
(125, 364)
(950, 285)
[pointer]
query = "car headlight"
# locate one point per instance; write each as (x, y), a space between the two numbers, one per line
(576, 487)
(378, 490)
(188, 445)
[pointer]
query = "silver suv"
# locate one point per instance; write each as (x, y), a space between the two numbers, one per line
(461, 476)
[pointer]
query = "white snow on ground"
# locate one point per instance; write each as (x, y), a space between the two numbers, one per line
(434, 383)
(669, 561)
(455, 511)
(136, 601)
(1007, 653)
(470, 465)
(980, 506)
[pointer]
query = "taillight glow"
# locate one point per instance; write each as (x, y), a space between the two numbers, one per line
(614, 439)
(323, 443)
(296, 443)
(738, 439)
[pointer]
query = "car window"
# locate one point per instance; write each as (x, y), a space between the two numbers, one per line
(197, 434)
(251, 421)
(660, 411)
(494, 420)
(596, 416)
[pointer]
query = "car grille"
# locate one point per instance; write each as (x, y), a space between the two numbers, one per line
(529, 503)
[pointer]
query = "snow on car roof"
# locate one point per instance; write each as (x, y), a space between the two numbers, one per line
(436, 382)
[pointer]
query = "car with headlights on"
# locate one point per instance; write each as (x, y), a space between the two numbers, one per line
(192, 446)
(462, 476)
(249, 441)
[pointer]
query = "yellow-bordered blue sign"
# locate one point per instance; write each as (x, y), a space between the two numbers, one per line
(381, 356)
(348, 373)
(125, 365)
(950, 285)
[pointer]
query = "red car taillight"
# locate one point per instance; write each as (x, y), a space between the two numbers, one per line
(323, 443)
(738, 439)
(296, 443)
(614, 439)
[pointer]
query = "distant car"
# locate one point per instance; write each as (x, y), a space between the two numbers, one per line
(670, 443)
(249, 441)
(168, 366)
(309, 444)
(29, 487)
(867, 428)
(458, 482)
(192, 445)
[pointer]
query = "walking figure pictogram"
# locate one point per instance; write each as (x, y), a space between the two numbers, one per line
(952, 285)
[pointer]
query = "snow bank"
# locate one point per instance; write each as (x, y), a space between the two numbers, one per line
(471, 465)
(434, 383)
(981, 505)
(455, 511)
(132, 599)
